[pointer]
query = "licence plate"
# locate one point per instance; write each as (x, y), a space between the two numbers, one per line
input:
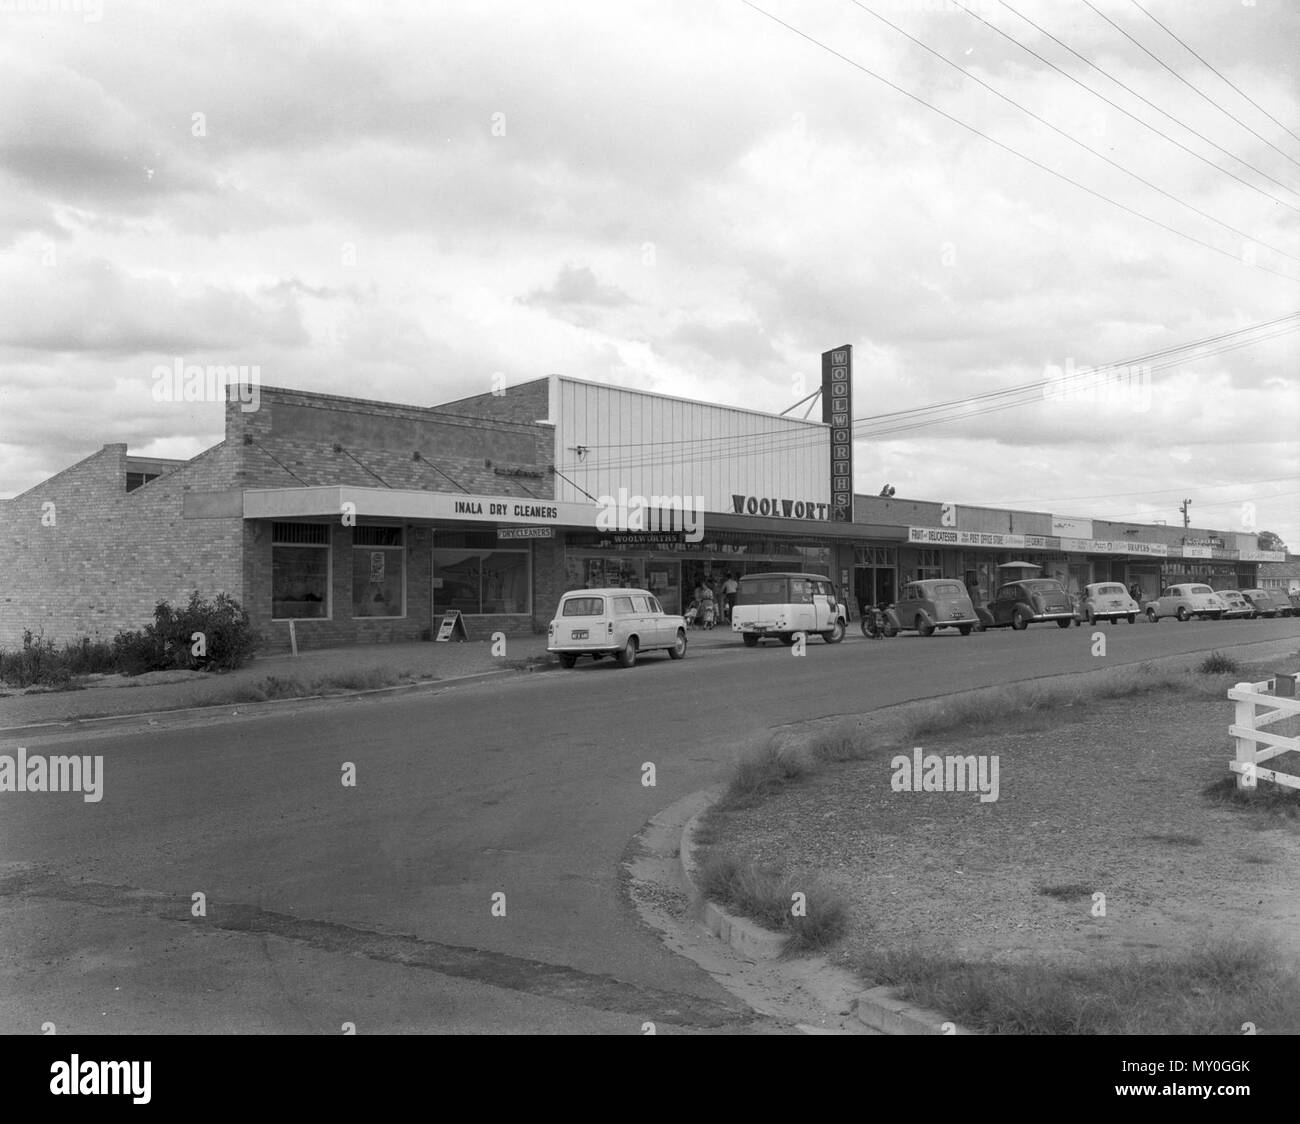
(578, 634)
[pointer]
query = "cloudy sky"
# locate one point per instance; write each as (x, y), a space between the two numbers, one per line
(399, 201)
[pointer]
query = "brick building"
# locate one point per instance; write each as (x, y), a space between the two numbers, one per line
(360, 521)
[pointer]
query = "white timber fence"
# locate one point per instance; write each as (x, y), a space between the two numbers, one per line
(1260, 705)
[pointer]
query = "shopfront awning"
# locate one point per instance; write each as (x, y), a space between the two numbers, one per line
(393, 503)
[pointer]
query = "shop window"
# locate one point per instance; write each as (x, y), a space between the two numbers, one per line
(378, 572)
(300, 571)
(929, 564)
(473, 581)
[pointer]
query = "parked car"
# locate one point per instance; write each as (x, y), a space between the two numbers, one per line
(613, 622)
(1185, 602)
(1107, 601)
(930, 604)
(1234, 604)
(1294, 598)
(780, 605)
(1264, 604)
(1022, 603)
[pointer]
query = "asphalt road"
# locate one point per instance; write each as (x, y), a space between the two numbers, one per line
(373, 904)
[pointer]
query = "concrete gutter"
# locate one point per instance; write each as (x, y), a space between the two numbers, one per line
(877, 1008)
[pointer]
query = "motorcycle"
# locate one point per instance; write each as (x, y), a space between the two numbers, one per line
(876, 623)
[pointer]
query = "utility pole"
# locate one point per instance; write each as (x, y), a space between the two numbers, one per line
(1186, 518)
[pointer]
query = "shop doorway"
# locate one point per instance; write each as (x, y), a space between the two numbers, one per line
(874, 585)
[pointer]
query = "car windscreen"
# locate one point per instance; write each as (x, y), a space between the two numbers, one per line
(948, 589)
(1200, 590)
(1042, 585)
(583, 607)
(1111, 591)
(763, 591)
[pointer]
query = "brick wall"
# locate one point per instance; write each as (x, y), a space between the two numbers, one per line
(526, 403)
(293, 436)
(110, 555)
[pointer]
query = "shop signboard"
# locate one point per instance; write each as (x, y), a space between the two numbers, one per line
(837, 412)
(947, 536)
(1262, 555)
(508, 533)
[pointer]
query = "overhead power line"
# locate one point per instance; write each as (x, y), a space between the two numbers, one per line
(1014, 152)
(688, 446)
(1221, 77)
(1147, 101)
(760, 443)
(1194, 89)
(1071, 138)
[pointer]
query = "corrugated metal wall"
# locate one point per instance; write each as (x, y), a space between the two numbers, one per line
(652, 445)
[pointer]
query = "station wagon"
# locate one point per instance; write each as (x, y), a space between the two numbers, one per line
(613, 622)
(781, 605)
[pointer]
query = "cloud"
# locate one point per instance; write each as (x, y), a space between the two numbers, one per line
(577, 285)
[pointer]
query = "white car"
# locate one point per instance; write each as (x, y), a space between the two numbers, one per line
(613, 622)
(1107, 601)
(782, 605)
(1185, 602)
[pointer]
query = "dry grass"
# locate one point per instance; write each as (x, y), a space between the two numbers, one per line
(1213, 990)
(769, 896)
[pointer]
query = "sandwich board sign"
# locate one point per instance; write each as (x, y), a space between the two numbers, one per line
(451, 624)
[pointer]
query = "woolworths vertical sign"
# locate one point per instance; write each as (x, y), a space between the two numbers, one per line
(837, 412)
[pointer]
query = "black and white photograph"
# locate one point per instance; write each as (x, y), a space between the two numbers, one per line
(729, 518)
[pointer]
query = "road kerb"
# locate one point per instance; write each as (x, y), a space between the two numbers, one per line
(876, 1008)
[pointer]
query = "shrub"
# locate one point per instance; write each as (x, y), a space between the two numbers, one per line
(36, 662)
(1216, 663)
(134, 653)
(228, 637)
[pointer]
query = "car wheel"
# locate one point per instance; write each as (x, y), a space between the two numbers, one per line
(787, 638)
(1151, 616)
(924, 625)
(964, 629)
(1064, 622)
(1020, 620)
(1216, 616)
(751, 639)
(836, 634)
(678, 650)
(1132, 618)
(1183, 614)
(567, 659)
(627, 657)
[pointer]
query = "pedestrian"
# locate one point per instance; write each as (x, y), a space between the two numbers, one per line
(730, 588)
(1135, 592)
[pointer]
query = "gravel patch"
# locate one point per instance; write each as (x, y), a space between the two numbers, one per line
(1106, 799)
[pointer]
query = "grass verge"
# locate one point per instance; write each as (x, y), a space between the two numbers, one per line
(811, 915)
(1214, 990)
